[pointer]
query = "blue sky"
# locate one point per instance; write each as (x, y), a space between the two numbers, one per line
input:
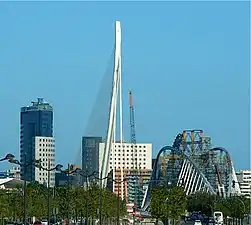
(188, 64)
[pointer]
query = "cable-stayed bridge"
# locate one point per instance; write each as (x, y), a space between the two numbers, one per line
(190, 162)
(105, 118)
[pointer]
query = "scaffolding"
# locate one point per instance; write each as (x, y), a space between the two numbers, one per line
(191, 142)
(197, 147)
(215, 165)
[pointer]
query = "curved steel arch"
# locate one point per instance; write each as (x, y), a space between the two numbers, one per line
(155, 181)
(232, 175)
(165, 148)
(221, 149)
(175, 148)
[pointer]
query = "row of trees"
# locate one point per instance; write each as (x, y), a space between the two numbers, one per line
(79, 202)
(69, 202)
(235, 206)
(168, 203)
(173, 203)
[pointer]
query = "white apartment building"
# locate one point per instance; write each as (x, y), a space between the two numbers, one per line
(44, 149)
(125, 157)
(244, 180)
(128, 156)
(14, 172)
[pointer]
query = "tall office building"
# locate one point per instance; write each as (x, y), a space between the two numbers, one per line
(36, 120)
(90, 154)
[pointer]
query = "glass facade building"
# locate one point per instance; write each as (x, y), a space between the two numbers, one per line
(90, 153)
(35, 120)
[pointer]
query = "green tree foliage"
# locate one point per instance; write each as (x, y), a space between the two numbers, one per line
(11, 204)
(74, 202)
(235, 206)
(177, 200)
(201, 201)
(71, 202)
(62, 200)
(168, 203)
(37, 199)
(4, 203)
(158, 206)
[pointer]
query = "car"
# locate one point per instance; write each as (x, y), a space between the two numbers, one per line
(218, 217)
(197, 222)
(211, 222)
(10, 223)
(19, 223)
(44, 222)
(37, 223)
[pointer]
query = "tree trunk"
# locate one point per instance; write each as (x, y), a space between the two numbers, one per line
(76, 217)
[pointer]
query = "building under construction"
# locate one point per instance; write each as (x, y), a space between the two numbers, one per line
(193, 163)
(121, 162)
(137, 181)
(215, 165)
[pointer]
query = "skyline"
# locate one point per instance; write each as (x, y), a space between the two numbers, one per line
(190, 50)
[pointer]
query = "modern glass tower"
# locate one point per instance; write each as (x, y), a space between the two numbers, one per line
(90, 154)
(35, 120)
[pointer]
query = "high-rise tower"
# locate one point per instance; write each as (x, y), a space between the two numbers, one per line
(36, 120)
(90, 154)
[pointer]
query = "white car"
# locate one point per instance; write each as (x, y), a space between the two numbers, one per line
(44, 222)
(218, 217)
(197, 222)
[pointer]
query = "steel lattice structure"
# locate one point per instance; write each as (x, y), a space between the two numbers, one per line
(191, 162)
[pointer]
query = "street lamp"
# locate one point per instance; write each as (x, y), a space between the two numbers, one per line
(37, 163)
(68, 172)
(118, 193)
(244, 208)
(58, 167)
(166, 201)
(86, 176)
(100, 196)
(7, 157)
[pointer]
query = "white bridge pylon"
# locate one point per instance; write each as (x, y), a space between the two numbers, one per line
(116, 88)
